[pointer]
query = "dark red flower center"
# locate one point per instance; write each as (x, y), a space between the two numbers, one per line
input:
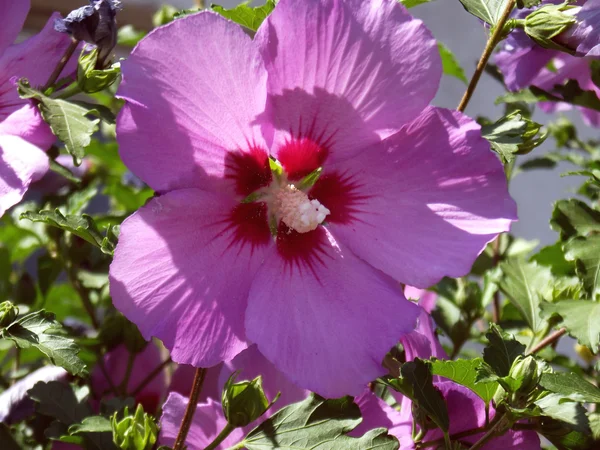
(289, 204)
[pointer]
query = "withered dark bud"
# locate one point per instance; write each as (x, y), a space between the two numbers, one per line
(95, 24)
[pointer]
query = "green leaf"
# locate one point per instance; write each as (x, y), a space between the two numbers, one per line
(553, 257)
(574, 218)
(595, 424)
(246, 15)
(59, 401)
(63, 171)
(569, 412)
(48, 271)
(317, 423)
(528, 3)
(573, 94)
(526, 284)
(413, 3)
(450, 64)
(586, 254)
(487, 10)
(501, 351)
(513, 135)
(69, 121)
(92, 424)
(464, 372)
(37, 330)
(581, 319)
(429, 399)
(68, 406)
(128, 36)
(571, 386)
(164, 15)
(82, 226)
(8, 442)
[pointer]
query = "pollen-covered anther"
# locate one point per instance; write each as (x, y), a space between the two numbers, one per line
(297, 211)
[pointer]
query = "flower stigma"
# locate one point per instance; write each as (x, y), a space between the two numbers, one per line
(293, 207)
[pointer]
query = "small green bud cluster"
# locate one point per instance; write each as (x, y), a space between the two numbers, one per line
(8, 313)
(137, 432)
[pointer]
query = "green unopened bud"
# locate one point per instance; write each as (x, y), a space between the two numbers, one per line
(137, 432)
(547, 23)
(8, 313)
(91, 76)
(244, 402)
(527, 373)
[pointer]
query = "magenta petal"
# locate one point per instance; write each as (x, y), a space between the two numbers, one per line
(194, 89)
(251, 363)
(424, 203)
(584, 36)
(116, 362)
(423, 342)
(20, 164)
(12, 18)
(26, 122)
(346, 73)
(378, 414)
(208, 422)
(328, 320)
(173, 269)
(183, 378)
(34, 59)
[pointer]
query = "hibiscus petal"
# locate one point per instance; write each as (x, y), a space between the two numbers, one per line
(325, 318)
(423, 342)
(20, 164)
(26, 122)
(346, 73)
(424, 203)
(173, 269)
(34, 59)
(202, 77)
(208, 422)
(13, 14)
(378, 414)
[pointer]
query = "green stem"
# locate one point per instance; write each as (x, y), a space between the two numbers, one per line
(61, 64)
(547, 341)
(494, 39)
(489, 434)
(453, 437)
(190, 410)
(70, 91)
(221, 437)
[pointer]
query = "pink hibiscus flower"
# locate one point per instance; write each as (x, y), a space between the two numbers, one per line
(23, 133)
(232, 253)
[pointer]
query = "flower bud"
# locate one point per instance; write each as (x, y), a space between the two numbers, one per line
(8, 313)
(243, 402)
(89, 78)
(94, 24)
(137, 432)
(546, 24)
(527, 371)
